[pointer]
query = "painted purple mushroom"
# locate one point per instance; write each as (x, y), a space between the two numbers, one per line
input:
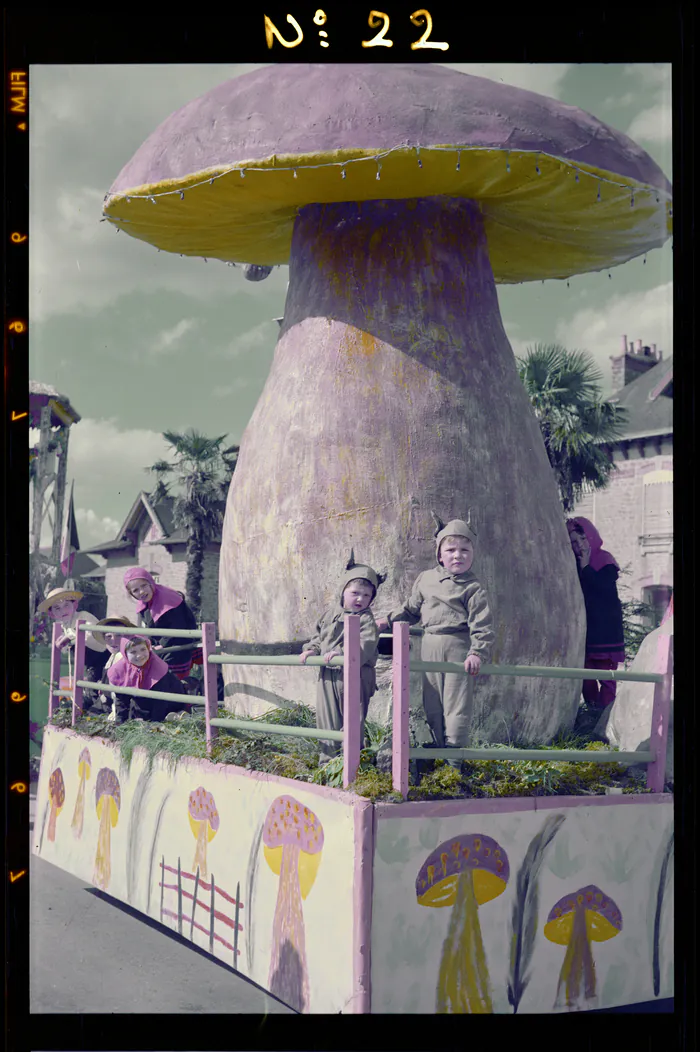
(575, 921)
(292, 845)
(400, 196)
(84, 762)
(108, 803)
(463, 873)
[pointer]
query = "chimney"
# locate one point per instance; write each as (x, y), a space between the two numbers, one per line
(635, 360)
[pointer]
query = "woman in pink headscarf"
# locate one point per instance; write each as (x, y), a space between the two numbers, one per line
(605, 642)
(162, 607)
(143, 669)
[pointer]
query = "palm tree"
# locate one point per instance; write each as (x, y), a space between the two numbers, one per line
(201, 473)
(564, 388)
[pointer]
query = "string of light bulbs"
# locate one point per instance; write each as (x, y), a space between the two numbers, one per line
(379, 157)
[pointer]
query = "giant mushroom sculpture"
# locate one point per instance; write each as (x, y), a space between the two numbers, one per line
(292, 845)
(575, 921)
(108, 797)
(57, 798)
(84, 761)
(400, 196)
(463, 873)
(204, 822)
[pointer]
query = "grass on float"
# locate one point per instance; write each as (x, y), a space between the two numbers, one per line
(298, 758)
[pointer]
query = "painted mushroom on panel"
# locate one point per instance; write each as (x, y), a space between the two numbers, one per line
(84, 761)
(463, 873)
(204, 822)
(575, 921)
(108, 797)
(400, 196)
(292, 845)
(57, 798)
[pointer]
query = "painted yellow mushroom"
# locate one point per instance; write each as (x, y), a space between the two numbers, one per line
(108, 796)
(464, 873)
(204, 822)
(84, 761)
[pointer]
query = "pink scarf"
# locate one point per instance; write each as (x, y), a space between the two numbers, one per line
(124, 674)
(599, 557)
(164, 599)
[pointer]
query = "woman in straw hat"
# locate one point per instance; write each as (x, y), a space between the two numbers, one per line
(61, 604)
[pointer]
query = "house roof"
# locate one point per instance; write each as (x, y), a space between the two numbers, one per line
(649, 402)
(63, 414)
(83, 565)
(161, 515)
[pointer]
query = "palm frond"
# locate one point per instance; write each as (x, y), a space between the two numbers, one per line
(525, 909)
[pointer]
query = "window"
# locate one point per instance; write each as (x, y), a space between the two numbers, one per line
(658, 504)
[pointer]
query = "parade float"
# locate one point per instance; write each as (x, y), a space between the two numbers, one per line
(400, 196)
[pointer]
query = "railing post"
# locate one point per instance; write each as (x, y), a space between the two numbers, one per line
(401, 701)
(352, 705)
(211, 693)
(80, 643)
(55, 669)
(661, 711)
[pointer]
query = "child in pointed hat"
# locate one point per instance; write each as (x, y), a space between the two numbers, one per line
(453, 608)
(357, 589)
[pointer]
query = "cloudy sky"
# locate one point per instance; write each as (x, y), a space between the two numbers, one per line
(142, 341)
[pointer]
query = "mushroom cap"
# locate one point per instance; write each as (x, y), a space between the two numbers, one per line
(288, 823)
(107, 785)
(202, 808)
(603, 918)
(57, 789)
(436, 883)
(84, 761)
(295, 117)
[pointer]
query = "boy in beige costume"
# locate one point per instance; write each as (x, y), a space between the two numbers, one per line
(358, 587)
(453, 608)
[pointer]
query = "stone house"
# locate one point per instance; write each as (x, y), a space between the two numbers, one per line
(149, 538)
(634, 515)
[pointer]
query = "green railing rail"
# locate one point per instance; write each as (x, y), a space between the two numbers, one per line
(654, 758)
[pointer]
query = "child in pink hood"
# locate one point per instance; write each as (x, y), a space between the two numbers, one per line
(143, 669)
(161, 607)
(605, 642)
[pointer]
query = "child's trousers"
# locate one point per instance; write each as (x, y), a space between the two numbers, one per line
(329, 703)
(447, 696)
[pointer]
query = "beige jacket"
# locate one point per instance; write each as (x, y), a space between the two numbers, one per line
(450, 603)
(330, 630)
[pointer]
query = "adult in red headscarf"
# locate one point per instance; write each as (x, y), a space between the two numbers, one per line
(162, 607)
(605, 642)
(143, 669)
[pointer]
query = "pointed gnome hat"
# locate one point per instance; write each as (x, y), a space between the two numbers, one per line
(354, 570)
(454, 528)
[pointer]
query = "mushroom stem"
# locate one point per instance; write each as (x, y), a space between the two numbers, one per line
(463, 984)
(288, 978)
(78, 814)
(200, 854)
(577, 976)
(51, 834)
(393, 389)
(102, 864)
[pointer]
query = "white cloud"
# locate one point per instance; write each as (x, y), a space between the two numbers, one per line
(545, 79)
(95, 529)
(654, 124)
(263, 335)
(101, 447)
(241, 383)
(165, 339)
